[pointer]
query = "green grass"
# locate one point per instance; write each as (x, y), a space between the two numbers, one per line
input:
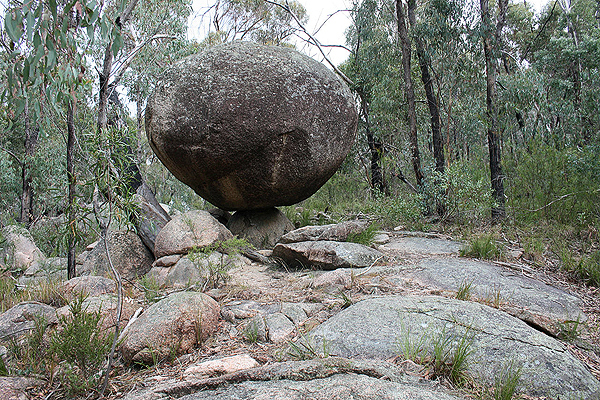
(364, 237)
(446, 354)
(506, 383)
(465, 290)
(482, 247)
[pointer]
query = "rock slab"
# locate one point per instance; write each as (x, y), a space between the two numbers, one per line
(242, 143)
(339, 386)
(337, 232)
(528, 299)
(326, 254)
(375, 328)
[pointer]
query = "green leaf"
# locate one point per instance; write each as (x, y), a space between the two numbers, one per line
(37, 40)
(117, 44)
(90, 31)
(52, 4)
(38, 55)
(51, 60)
(26, 67)
(12, 26)
(30, 25)
(20, 106)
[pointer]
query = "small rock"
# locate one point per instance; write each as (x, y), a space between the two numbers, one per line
(19, 250)
(167, 261)
(381, 238)
(225, 365)
(294, 312)
(333, 280)
(130, 257)
(255, 329)
(279, 327)
(52, 269)
(20, 319)
(193, 229)
(261, 228)
(106, 305)
(16, 388)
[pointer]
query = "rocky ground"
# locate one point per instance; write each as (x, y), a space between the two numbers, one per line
(280, 328)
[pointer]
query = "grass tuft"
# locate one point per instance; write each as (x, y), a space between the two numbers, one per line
(483, 247)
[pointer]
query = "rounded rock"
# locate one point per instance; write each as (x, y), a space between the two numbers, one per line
(249, 126)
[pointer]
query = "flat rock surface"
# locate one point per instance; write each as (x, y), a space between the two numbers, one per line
(340, 386)
(422, 246)
(377, 327)
(526, 298)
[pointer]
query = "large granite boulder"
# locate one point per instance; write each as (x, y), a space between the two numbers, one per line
(249, 126)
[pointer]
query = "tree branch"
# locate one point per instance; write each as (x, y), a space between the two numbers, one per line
(314, 40)
(13, 155)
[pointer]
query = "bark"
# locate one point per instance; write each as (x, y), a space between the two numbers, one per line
(490, 46)
(72, 221)
(409, 90)
(31, 139)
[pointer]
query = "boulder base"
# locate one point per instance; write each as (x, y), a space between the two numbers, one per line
(249, 126)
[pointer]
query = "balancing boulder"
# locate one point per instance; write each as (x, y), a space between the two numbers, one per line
(249, 126)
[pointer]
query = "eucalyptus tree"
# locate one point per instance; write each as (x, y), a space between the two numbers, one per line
(256, 20)
(492, 47)
(406, 46)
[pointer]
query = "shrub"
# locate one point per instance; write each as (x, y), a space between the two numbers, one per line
(81, 347)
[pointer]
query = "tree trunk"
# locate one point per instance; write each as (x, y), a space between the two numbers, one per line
(410, 93)
(31, 139)
(72, 221)
(434, 110)
(432, 100)
(375, 148)
(493, 133)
